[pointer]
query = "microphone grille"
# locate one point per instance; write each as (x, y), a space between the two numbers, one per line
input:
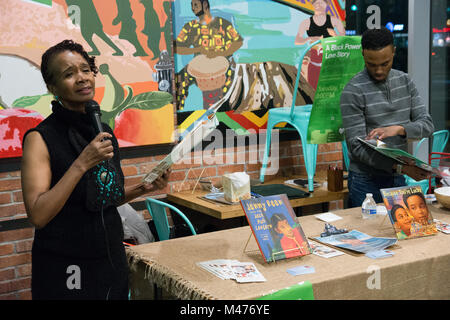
(91, 107)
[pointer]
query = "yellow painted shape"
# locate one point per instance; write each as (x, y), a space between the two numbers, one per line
(259, 121)
(190, 120)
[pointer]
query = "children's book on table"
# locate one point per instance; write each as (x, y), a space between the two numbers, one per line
(357, 241)
(275, 227)
(408, 212)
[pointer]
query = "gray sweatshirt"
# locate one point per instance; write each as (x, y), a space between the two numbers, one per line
(366, 105)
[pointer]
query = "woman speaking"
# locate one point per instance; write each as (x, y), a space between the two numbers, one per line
(72, 183)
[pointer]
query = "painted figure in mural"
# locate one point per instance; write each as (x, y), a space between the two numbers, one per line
(90, 25)
(209, 39)
(152, 25)
(319, 25)
(128, 26)
(167, 28)
(381, 103)
(72, 183)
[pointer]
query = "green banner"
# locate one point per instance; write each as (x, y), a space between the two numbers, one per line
(301, 291)
(341, 60)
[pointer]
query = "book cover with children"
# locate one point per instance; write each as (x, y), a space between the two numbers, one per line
(275, 227)
(408, 212)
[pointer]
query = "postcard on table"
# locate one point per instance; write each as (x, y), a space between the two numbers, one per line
(324, 251)
(301, 270)
(378, 254)
(219, 268)
(246, 272)
(328, 217)
(442, 226)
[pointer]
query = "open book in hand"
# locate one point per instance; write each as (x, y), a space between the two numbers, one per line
(200, 131)
(399, 155)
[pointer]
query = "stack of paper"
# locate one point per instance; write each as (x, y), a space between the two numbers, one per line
(233, 269)
(328, 217)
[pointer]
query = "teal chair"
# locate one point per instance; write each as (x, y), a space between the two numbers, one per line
(439, 141)
(345, 154)
(297, 117)
(157, 210)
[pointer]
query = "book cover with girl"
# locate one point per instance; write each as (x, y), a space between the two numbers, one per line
(275, 227)
(408, 212)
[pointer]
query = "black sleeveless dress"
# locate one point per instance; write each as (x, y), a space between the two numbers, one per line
(317, 31)
(79, 254)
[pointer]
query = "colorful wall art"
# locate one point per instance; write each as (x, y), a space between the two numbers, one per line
(243, 60)
(131, 40)
(144, 50)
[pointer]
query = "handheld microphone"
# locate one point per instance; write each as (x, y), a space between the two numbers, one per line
(93, 111)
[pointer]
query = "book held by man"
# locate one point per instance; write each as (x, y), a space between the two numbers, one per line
(399, 155)
(275, 227)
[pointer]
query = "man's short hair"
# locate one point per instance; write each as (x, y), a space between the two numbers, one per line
(376, 39)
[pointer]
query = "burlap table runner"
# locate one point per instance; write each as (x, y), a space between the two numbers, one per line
(420, 268)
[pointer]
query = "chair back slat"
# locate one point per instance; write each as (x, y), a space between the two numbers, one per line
(158, 211)
(440, 139)
(159, 217)
(299, 71)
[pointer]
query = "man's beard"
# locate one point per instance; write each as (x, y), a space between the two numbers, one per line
(200, 13)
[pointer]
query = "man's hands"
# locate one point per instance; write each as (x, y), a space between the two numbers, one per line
(385, 132)
(409, 169)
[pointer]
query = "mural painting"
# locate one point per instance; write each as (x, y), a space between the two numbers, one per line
(232, 57)
(131, 40)
(240, 58)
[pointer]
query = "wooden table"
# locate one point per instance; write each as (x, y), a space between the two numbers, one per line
(193, 200)
(419, 269)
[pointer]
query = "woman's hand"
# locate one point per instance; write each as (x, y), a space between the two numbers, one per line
(98, 150)
(138, 190)
(158, 184)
